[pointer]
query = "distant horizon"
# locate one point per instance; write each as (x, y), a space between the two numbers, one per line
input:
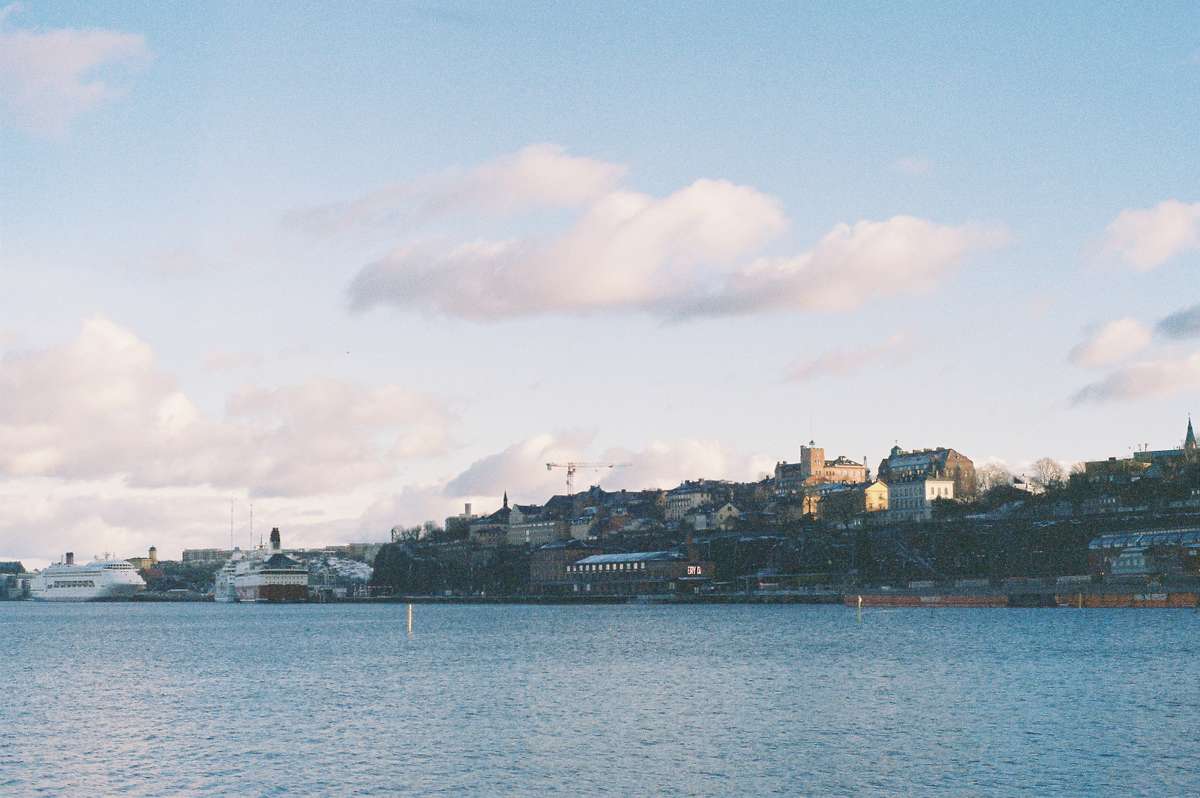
(364, 264)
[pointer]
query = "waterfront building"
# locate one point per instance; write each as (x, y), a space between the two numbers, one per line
(205, 556)
(913, 498)
(1157, 551)
(641, 573)
(939, 463)
(548, 566)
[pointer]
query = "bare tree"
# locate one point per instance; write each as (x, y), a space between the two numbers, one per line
(1048, 473)
(991, 476)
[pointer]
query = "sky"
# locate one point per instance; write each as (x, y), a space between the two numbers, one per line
(356, 265)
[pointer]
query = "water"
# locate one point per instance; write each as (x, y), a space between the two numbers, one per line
(209, 699)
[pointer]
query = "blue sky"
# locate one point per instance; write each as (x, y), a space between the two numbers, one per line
(943, 224)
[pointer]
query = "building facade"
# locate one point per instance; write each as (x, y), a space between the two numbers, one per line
(638, 574)
(814, 469)
(940, 463)
(548, 566)
(912, 500)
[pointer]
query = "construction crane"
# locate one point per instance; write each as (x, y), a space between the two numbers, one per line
(573, 467)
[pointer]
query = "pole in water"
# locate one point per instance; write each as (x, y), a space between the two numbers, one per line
(860, 609)
(410, 620)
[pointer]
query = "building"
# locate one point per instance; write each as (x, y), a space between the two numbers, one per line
(638, 573)
(14, 581)
(536, 530)
(147, 562)
(459, 526)
(1144, 464)
(939, 463)
(912, 499)
(548, 566)
(205, 556)
(687, 497)
(813, 469)
(491, 530)
(842, 503)
(1157, 551)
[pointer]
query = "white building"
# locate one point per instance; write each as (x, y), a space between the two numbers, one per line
(912, 500)
(684, 499)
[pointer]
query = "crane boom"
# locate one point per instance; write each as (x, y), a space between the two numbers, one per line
(572, 466)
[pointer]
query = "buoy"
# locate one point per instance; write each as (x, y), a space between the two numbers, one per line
(410, 620)
(860, 609)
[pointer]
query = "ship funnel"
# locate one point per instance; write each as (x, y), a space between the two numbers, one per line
(70, 558)
(275, 539)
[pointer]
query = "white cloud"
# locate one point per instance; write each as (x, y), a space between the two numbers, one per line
(537, 176)
(101, 407)
(1110, 343)
(851, 265)
(1148, 237)
(912, 165)
(220, 360)
(1153, 378)
(843, 362)
(521, 470)
(47, 78)
(629, 251)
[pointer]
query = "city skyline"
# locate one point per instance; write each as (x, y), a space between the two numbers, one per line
(363, 265)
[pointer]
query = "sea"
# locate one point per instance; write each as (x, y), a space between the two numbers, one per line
(342, 699)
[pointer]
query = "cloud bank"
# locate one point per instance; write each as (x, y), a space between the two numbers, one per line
(48, 78)
(100, 407)
(696, 252)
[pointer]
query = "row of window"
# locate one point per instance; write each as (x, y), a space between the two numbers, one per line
(73, 583)
(607, 566)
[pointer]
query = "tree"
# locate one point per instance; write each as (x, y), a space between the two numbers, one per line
(1048, 474)
(992, 475)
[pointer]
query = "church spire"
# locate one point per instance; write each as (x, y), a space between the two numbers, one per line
(1190, 441)
(506, 495)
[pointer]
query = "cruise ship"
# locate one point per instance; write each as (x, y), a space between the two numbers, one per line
(262, 575)
(91, 581)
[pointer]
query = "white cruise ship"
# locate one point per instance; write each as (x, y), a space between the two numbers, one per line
(98, 579)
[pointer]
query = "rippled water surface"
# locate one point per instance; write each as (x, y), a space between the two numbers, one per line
(210, 699)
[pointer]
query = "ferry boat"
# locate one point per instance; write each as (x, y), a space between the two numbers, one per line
(91, 581)
(262, 575)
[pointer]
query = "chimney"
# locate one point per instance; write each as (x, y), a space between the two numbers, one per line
(70, 558)
(467, 509)
(275, 538)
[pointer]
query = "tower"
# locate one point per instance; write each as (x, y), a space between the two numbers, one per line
(812, 460)
(505, 500)
(1189, 441)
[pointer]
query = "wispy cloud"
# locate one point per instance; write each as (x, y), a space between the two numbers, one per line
(1183, 323)
(48, 78)
(537, 176)
(912, 165)
(1109, 343)
(843, 362)
(1146, 238)
(1153, 378)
